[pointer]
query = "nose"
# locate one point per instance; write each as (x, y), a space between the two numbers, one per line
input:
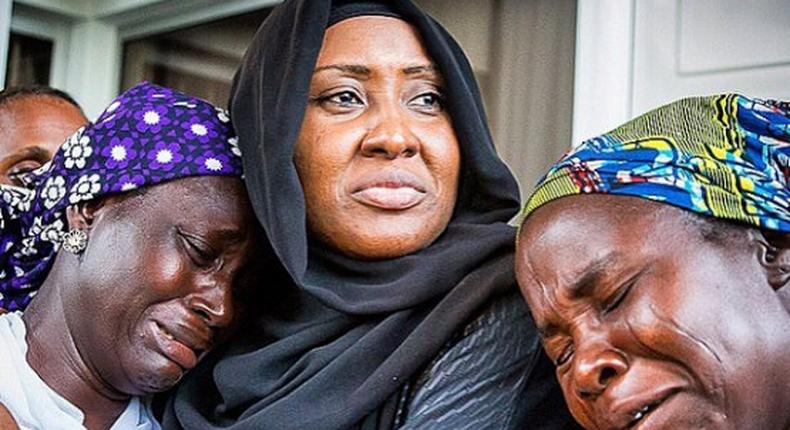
(391, 136)
(214, 301)
(597, 365)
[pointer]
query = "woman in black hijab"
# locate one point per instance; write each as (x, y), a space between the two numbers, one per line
(399, 308)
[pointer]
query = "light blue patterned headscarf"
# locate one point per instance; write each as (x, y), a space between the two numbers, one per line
(147, 136)
(724, 156)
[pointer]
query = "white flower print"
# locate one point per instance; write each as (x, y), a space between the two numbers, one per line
(234, 146)
(113, 106)
(128, 186)
(28, 246)
(222, 115)
(85, 188)
(18, 199)
(118, 152)
(151, 117)
(54, 190)
(199, 129)
(76, 149)
(53, 232)
(164, 156)
(213, 164)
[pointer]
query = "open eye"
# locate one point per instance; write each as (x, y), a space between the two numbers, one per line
(429, 102)
(342, 100)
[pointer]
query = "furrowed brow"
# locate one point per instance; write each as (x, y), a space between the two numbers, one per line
(592, 275)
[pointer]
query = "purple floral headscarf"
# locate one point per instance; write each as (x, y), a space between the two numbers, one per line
(147, 136)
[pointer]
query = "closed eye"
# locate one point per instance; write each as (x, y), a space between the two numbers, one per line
(201, 254)
(620, 295)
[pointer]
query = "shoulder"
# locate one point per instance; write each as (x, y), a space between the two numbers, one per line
(493, 375)
(7, 421)
(481, 372)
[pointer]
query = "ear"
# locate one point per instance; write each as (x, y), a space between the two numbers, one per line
(773, 253)
(83, 215)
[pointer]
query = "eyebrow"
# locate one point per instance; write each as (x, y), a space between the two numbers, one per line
(358, 69)
(34, 152)
(354, 69)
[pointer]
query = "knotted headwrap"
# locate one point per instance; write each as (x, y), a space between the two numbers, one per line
(147, 136)
(724, 156)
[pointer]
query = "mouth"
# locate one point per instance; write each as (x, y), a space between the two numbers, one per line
(636, 417)
(389, 198)
(177, 349)
(393, 190)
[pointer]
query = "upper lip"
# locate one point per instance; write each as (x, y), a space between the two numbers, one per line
(394, 178)
(627, 413)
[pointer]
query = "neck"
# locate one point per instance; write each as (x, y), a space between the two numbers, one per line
(53, 355)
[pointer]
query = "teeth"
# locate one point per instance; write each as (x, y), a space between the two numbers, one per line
(166, 333)
(641, 413)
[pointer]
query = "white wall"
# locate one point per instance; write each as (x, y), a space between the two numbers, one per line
(5, 26)
(635, 55)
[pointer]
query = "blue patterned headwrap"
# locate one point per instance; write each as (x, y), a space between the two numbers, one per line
(147, 136)
(724, 156)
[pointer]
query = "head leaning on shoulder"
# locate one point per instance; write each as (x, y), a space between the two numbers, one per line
(132, 240)
(656, 259)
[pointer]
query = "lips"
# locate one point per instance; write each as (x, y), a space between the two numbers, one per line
(393, 190)
(180, 344)
(632, 413)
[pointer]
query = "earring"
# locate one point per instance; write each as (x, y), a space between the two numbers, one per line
(75, 240)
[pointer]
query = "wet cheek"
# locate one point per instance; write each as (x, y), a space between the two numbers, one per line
(660, 335)
(167, 273)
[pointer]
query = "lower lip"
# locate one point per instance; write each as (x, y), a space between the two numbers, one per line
(389, 198)
(174, 350)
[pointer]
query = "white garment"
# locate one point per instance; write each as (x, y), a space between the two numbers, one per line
(33, 404)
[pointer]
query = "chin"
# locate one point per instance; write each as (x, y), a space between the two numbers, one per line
(156, 377)
(385, 245)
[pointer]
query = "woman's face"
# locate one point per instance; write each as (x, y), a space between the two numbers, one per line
(158, 280)
(377, 155)
(652, 326)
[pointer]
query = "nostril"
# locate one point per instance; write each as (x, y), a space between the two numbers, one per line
(607, 374)
(202, 313)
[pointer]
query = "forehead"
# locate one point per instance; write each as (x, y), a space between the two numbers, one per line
(37, 120)
(563, 240)
(372, 40)
(216, 202)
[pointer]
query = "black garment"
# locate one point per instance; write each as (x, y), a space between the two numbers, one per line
(347, 334)
(493, 376)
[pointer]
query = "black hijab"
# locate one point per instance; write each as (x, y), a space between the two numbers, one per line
(347, 334)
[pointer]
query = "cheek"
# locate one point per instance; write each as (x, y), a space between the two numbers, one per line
(661, 332)
(322, 155)
(442, 156)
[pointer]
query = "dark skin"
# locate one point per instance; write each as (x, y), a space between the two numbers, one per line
(32, 128)
(377, 154)
(653, 325)
(159, 279)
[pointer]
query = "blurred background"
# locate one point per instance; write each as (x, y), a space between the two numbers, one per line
(552, 72)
